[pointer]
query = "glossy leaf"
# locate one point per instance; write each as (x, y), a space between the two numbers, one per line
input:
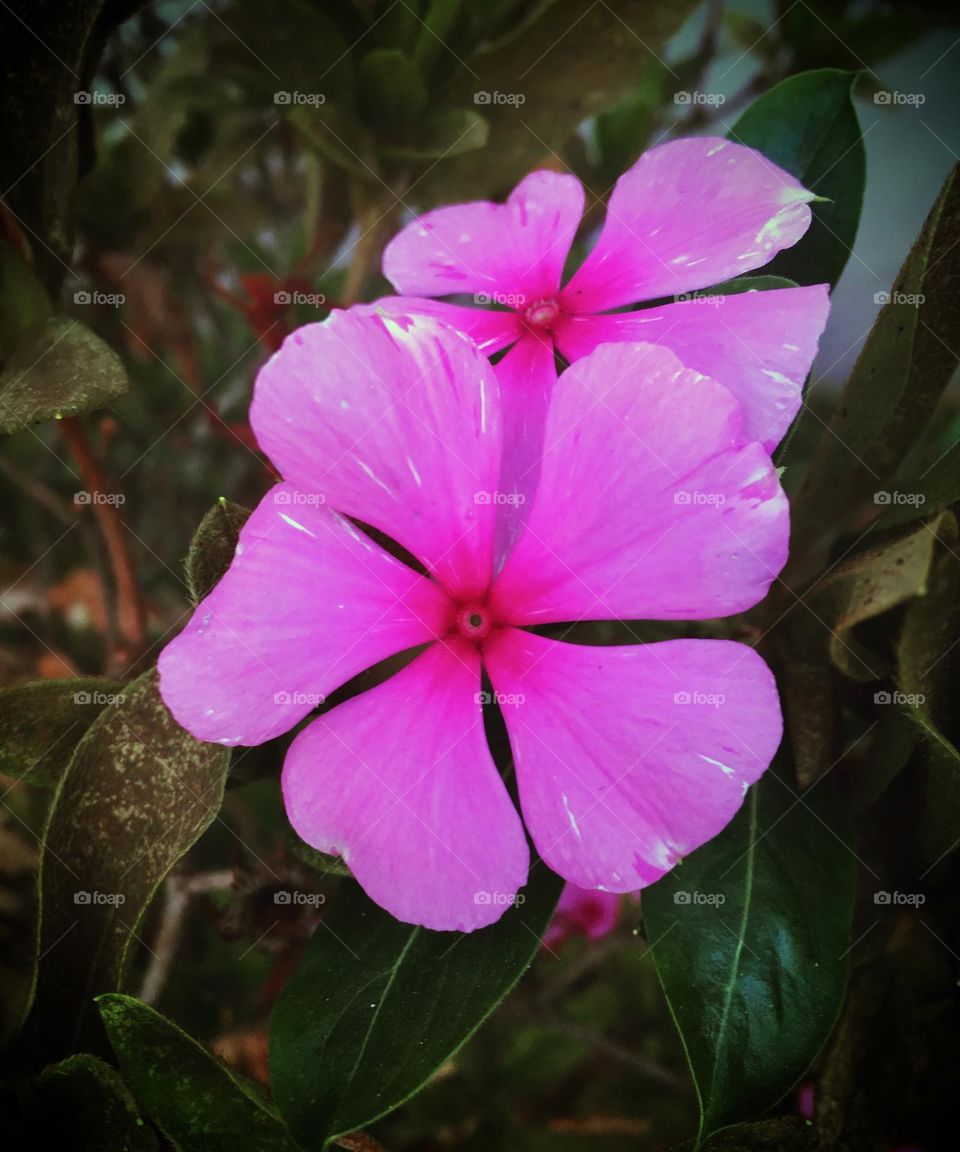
(61, 369)
(137, 794)
(87, 1107)
(42, 722)
(808, 125)
(749, 936)
(199, 1104)
(376, 1006)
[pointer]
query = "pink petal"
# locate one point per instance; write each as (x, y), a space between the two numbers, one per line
(307, 603)
(400, 782)
(490, 331)
(688, 214)
(760, 345)
(651, 505)
(495, 249)
(582, 913)
(526, 375)
(394, 421)
(629, 758)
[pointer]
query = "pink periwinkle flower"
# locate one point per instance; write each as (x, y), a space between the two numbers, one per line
(689, 214)
(582, 913)
(653, 503)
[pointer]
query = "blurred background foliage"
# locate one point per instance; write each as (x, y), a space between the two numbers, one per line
(236, 172)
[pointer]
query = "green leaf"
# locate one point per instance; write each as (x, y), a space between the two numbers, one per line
(592, 55)
(390, 92)
(59, 370)
(753, 284)
(42, 722)
(376, 1006)
(137, 794)
(24, 304)
(871, 583)
(445, 135)
(213, 545)
(87, 1107)
(195, 1101)
(434, 31)
(896, 383)
(808, 125)
(755, 977)
(929, 676)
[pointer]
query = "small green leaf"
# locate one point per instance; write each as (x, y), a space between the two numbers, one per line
(376, 1006)
(87, 1107)
(445, 135)
(391, 93)
(137, 794)
(807, 125)
(199, 1104)
(749, 938)
(61, 369)
(213, 545)
(42, 722)
(24, 304)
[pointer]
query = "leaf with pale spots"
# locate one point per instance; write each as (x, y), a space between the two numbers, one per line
(137, 794)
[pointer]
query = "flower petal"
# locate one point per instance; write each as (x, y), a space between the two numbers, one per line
(629, 758)
(308, 602)
(511, 249)
(760, 345)
(526, 375)
(400, 782)
(490, 331)
(688, 214)
(394, 421)
(651, 505)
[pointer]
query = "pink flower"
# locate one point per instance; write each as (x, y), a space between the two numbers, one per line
(689, 214)
(582, 913)
(652, 504)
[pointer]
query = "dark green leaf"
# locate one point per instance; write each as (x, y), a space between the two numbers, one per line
(137, 794)
(87, 1108)
(377, 1006)
(445, 135)
(895, 386)
(213, 545)
(42, 722)
(23, 302)
(755, 977)
(195, 1101)
(808, 125)
(592, 55)
(928, 678)
(60, 370)
(390, 92)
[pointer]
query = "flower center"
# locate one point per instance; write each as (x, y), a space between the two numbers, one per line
(542, 313)
(474, 621)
